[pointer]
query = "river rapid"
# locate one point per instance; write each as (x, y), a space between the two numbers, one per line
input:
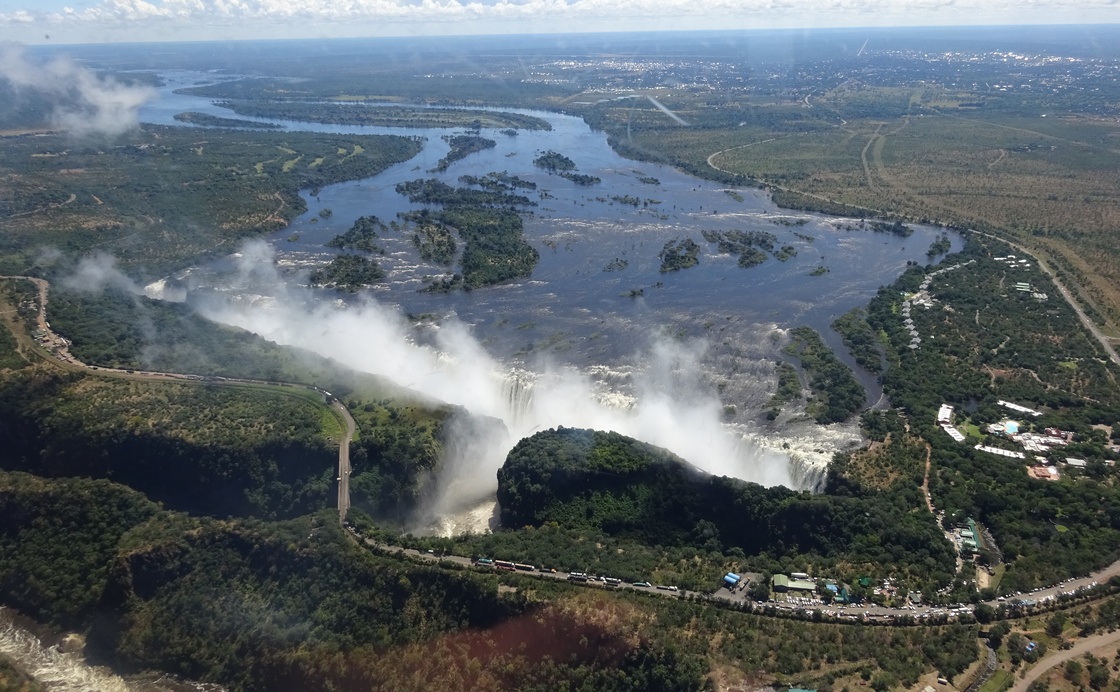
(597, 336)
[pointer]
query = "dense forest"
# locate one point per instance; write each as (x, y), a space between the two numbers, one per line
(295, 605)
(237, 450)
(983, 341)
(836, 392)
(462, 146)
(209, 449)
(621, 487)
(299, 605)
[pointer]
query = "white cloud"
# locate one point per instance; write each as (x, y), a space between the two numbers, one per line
(84, 103)
(552, 15)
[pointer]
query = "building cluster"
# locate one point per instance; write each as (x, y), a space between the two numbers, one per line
(801, 586)
(1033, 443)
(945, 420)
(966, 537)
(923, 299)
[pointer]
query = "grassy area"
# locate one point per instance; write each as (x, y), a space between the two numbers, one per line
(1052, 184)
(997, 577)
(1001, 680)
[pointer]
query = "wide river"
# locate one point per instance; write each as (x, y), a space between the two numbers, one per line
(704, 335)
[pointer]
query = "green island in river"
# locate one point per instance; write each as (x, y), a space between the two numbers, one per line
(196, 500)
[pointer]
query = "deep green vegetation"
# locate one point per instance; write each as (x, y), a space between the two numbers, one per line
(581, 179)
(397, 454)
(861, 340)
(57, 540)
(362, 236)
(216, 450)
(789, 389)
(785, 253)
(495, 249)
(125, 331)
(385, 116)
(165, 196)
(983, 341)
(487, 221)
(896, 228)
(554, 162)
(208, 120)
(612, 484)
(432, 191)
(836, 392)
(939, 246)
(285, 605)
(679, 254)
(348, 273)
(501, 182)
(435, 242)
(462, 146)
(398, 444)
(748, 245)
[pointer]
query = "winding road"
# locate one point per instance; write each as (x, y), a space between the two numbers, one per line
(57, 349)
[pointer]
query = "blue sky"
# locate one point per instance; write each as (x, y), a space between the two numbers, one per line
(97, 21)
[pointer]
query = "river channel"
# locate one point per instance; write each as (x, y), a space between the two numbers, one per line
(716, 329)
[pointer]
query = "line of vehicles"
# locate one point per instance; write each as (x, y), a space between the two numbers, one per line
(579, 577)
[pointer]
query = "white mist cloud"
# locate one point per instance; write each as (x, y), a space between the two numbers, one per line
(99, 272)
(85, 103)
(667, 407)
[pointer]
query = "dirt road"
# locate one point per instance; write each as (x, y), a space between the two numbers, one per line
(1058, 657)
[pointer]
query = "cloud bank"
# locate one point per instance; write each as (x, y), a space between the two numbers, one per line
(84, 103)
(206, 18)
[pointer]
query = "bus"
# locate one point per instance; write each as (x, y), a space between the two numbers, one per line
(504, 564)
(524, 568)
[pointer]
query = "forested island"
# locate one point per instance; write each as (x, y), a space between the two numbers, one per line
(462, 146)
(208, 120)
(189, 525)
(340, 113)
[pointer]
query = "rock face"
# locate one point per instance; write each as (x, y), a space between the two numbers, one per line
(72, 643)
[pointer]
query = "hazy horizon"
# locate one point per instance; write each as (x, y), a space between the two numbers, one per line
(158, 21)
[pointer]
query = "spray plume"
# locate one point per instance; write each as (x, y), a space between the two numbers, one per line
(85, 104)
(666, 408)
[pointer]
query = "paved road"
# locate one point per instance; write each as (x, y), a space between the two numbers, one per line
(1058, 657)
(58, 349)
(344, 460)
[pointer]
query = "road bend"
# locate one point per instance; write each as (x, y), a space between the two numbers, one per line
(57, 349)
(1058, 657)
